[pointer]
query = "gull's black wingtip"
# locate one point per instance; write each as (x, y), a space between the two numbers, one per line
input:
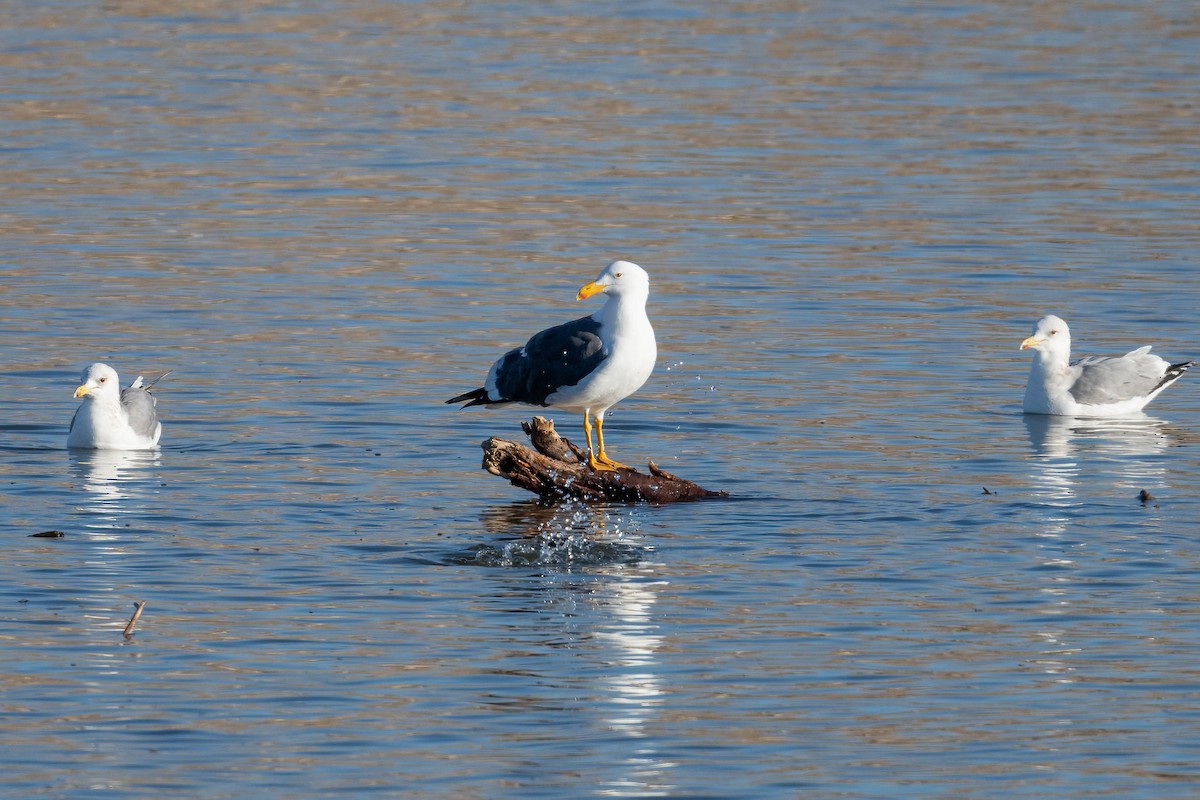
(1175, 370)
(475, 397)
(1173, 373)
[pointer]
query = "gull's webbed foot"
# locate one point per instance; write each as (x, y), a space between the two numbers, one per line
(599, 465)
(611, 463)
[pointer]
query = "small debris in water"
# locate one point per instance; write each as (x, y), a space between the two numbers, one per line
(985, 491)
(1145, 496)
(137, 612)
(47, 535)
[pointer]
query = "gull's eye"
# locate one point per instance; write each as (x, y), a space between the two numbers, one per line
(103, 379)
(1053, 332)
(618, 275)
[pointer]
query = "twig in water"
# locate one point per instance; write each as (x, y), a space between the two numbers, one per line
(137, 612)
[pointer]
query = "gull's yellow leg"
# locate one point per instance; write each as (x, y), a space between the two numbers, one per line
(603, 457)
(594, 462)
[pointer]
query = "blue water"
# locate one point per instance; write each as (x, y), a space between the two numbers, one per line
(326, 218)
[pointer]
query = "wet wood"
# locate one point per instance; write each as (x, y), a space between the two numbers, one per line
(137, 612)
(556, 469)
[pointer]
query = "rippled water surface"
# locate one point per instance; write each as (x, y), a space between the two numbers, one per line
(326, 218)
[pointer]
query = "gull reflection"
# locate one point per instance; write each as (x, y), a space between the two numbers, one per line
(634, 682)
(116, 484)
(115, 481)
(1092, 457)
(1121, 452)
(593, 568)
(633, 635)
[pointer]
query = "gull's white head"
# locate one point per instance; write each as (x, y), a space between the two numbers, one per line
(99, 380)
(618, 279)
(1050, 335)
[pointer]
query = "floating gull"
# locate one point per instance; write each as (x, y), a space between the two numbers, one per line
(1093, 386)
(587, 365)
(111, 419)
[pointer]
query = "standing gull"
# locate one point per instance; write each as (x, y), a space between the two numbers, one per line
(112, 419)
(1094, 386)
(587, 365)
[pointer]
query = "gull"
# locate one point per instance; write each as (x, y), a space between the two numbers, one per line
(585, 366)
(1095, 386)
(112, 419)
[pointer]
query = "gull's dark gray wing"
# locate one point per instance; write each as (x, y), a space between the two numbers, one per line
(552, 359)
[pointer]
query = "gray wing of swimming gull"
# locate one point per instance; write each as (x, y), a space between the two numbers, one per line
(552, 359)
(1111, 380)
(139, 405)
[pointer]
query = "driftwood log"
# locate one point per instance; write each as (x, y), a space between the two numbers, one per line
(555, 469)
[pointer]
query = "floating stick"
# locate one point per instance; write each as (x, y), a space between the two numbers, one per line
(137, 612)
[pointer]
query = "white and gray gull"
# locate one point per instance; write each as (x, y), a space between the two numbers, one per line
(1094, 386)
(112, 419)
(585, 366)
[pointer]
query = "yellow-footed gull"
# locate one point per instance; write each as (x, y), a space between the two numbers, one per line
(587, 365)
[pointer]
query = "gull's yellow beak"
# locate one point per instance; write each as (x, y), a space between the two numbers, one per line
(1032, 341)
(82, 390)
(589, 290)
